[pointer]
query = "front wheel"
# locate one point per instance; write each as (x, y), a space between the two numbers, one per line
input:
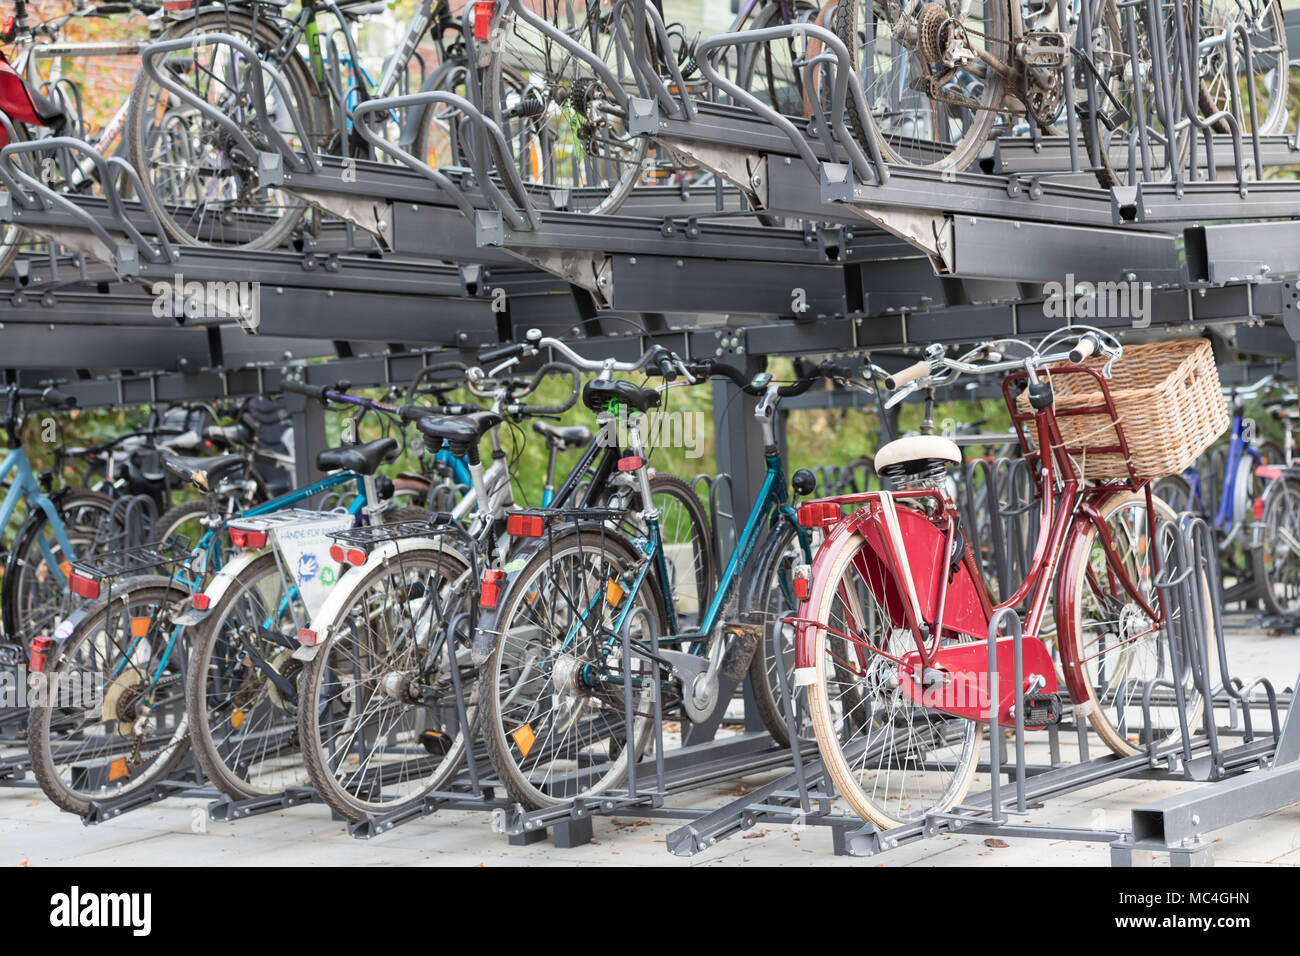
(1275, 556)
(1115, 625)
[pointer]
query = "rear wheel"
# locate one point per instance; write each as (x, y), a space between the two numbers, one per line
(1276, 556)
(113, 719)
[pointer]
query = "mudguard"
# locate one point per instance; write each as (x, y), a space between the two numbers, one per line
(217, 587)
(339, 595)
(926, 547)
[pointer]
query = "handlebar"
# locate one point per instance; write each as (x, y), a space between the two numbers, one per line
(51, 396)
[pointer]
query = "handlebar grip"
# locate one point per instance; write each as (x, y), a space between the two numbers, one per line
(910, 374)
(1085, 347)
(664, 366)
(57, 399)
(503, 352)
(302, 388)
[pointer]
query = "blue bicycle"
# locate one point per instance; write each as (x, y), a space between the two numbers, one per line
(58, 525)
(114, 720)
(588, 623)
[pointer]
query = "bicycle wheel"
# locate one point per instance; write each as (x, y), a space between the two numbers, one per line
(185, 519)
(244, 720)
(32, 599)
(1275, 556)
(1264, 24)
(1111, 648)
(112, 721)
(377, 716)
(688, 546)
(203, 191)
(567, 132)
(1132, 84)
(772, 599)
(768, 70)
(922, 118)
(892, 761)
(552, 689)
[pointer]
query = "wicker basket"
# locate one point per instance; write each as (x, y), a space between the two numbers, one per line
(1169, 404)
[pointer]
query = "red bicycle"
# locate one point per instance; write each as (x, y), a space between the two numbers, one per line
(892, 632)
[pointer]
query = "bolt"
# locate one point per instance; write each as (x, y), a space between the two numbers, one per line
(631, 260)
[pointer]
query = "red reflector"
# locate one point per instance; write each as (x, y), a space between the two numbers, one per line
(356, 557)
(336, 554)
(247, 538)
(491, 592)
(306, 637)
(83, 586)
(816, 514)
(1257, 509)
(524, 526)
(40, 647)
(801, 588)
(631, 463)
(175, 6)
(1269, 472)
(483, 10)
(200, 602)
(8, 26)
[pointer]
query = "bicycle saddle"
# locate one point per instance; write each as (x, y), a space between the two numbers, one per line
(563, 438)
(364, 459)
(458, 431)
(917, 453)
(598, 394)
(207, 473)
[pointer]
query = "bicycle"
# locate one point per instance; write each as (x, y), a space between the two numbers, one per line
(555, 687)
(1275, 528)
(126, 653)
(892, 638)
(58, 526)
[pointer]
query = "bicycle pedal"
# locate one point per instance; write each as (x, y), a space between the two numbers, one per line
(436, 743)
(743, 641)
(1043, 710)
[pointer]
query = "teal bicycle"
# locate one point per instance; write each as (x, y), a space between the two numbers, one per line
(113, 721)
(557, 686)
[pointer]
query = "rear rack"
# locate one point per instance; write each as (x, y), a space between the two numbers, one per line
(175, 550)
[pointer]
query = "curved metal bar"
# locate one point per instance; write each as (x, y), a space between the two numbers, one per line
(523, 218)
(598, 65)
(303, 163)
(1191, 102)
(871, 170)
(163, 253)
(648, 80)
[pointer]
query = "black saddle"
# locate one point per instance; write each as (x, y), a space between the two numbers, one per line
(364, 459)
(599, 393)
(563, 438)
(215, 470)
(460, 432)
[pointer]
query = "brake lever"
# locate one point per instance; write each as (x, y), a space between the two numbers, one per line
(903, 392)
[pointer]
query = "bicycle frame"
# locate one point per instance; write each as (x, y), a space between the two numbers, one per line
(25, 487)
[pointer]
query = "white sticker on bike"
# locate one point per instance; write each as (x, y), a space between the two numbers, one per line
(304, 548)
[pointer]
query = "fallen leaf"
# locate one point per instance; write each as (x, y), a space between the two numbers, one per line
(23, 861)
(995, 843)
(32, 803)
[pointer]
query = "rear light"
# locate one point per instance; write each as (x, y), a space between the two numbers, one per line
(1257, 509)
(83, 585)
(40, 648)
(631, 463)
(801, 575)
(200, 602)
(355, 557)
(1268, 472)
(520, 525)
(247, 538)
(177, 6)
(306, 637)
(817, 514)
(483, 10)
(336, 554)
(491, 591)
(8, 26)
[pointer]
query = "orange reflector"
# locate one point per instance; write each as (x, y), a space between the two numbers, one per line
(118, 769)
(140, 626)
(613, 592)
(237, 718)
(524, 739)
